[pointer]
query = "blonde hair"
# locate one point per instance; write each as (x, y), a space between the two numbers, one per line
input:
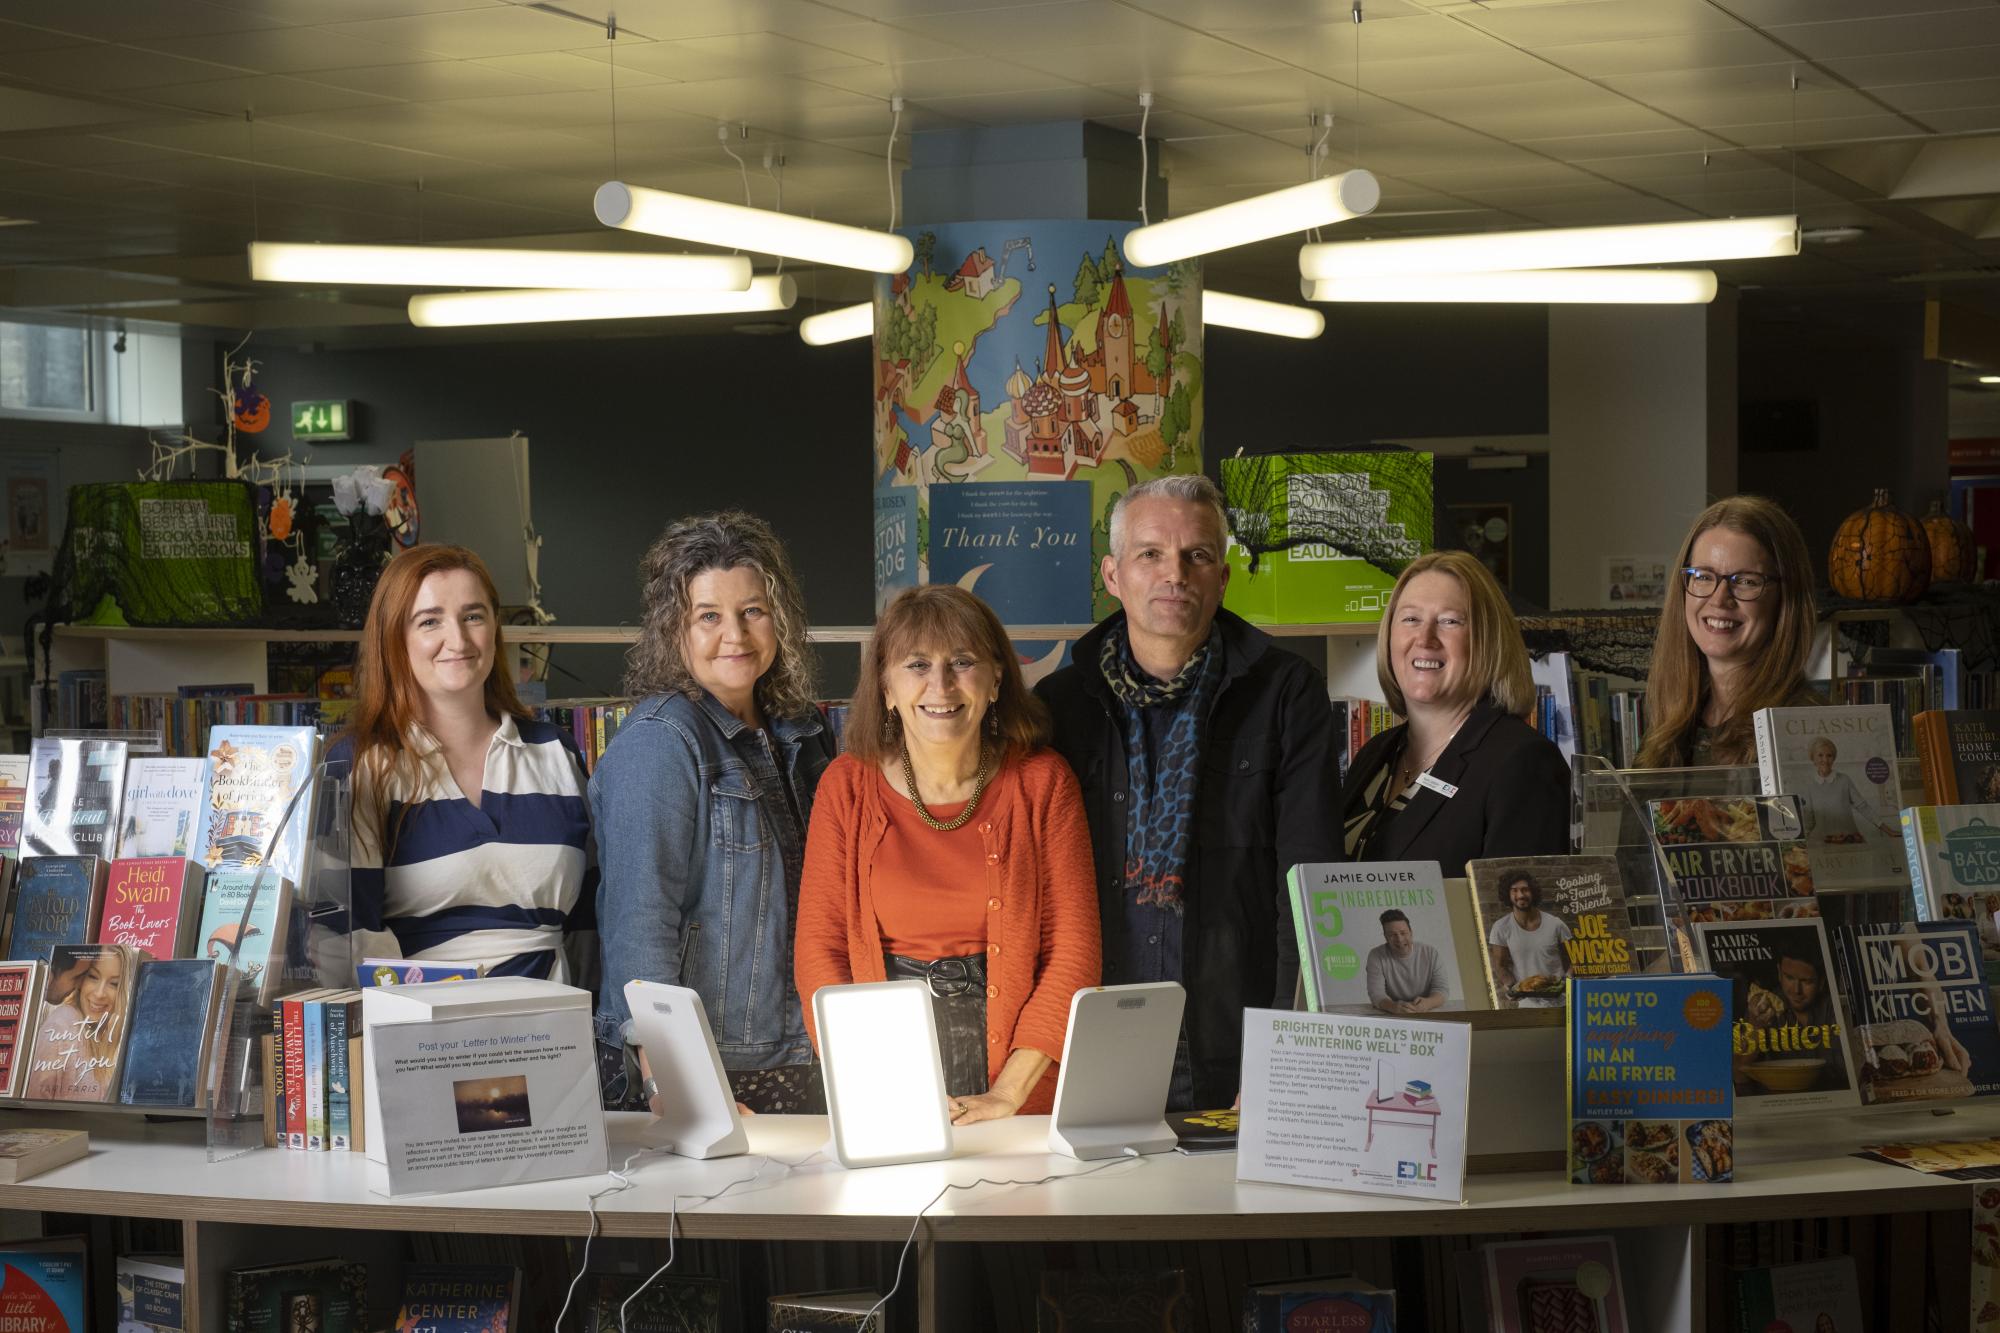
(1678, 684)
(1498, 661)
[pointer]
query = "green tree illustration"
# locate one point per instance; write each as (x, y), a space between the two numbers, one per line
(926, 249)
(1086, 283)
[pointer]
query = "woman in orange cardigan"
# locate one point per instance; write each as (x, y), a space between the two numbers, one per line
(949, 844)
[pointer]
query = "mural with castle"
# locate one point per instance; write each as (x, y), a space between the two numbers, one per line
(1025, 377)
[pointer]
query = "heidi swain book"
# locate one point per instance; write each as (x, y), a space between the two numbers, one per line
(147, 905)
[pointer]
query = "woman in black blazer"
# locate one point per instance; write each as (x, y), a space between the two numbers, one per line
(1465, 776)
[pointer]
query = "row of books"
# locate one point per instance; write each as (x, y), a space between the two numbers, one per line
(591, 723)
(103, 1023)
(315, 1072)
(1356, 722)
(184, 720)
(1590, 712)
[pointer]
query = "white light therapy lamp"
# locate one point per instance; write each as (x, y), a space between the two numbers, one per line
(449, 309)
(1351, 194)
(711, 222)
(1118, 1060)
(1542, 286)
(1554, 248)
(698, 1115)
(455, 266)
(884, 1081)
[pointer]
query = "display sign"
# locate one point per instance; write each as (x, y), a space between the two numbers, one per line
(322, 419)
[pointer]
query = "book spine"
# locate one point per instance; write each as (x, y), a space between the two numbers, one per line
(357, 1074)
(1767, 753)
(294, 1063)
(314, 1012)
(1308, 955)
(339, 1109)
(1913, 850)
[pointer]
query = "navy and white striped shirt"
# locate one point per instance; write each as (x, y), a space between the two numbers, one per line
(495, 885)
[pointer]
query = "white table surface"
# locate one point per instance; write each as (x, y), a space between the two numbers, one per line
(790, 1188)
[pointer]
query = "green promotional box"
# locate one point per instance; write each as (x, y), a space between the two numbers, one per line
(1327, 533)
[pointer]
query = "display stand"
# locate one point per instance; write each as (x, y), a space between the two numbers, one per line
(317, 953)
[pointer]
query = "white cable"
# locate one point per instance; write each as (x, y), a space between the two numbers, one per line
(777, 179)
(744, 168)
(624, 1183)
(1130, 1154)
(889, 158)
(1145, 115)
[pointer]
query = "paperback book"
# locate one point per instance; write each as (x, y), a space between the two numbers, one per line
(669, 1304)
(47, 1286)
(253, 774)
(80, 1030)
(1314, 1305)
(55, 902)
(163, 799)
(1841, 764)
(1820, 1297)
(173, 1024)
(253, 943)
(20, 1002)
(829, 1312)
(13, 802)
(460, 1298)
(1922, 1020)
(152, 1293)
(1651, 1099)
(1732, 858)
(1959, 752)
(323, 1295)
(1564, 1283)
(1547, 918)
(26, 1153)
(75, 789)
(1790, 1051)
(1375, 935)
(147, 905)
(1954, 853)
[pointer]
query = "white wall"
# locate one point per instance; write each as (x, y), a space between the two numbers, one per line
(1633, 434)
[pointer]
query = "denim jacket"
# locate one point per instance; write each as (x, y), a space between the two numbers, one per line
(700, 852)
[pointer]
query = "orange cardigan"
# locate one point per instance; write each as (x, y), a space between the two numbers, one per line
(1040, 883)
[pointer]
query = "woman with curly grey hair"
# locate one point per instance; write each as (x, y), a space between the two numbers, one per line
(702, 803)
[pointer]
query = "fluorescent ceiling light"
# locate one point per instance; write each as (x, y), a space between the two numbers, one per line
(885, 1091)
(686, 218)
(448, 309)
(1280, 213)
(1989, 379)
(1550, 286)
(454, 266)
(1555, 248)
(1247, 312)
(835, 326)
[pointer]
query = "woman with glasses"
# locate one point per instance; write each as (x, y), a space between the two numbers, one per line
(702, 803)
(949, 844)
(1465, 776)
(1734, 636)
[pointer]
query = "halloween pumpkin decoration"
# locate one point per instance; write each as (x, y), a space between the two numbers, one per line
(250, 410)
(1880, 554)
(1954, 555)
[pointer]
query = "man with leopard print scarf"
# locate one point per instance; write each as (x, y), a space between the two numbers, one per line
(1207, 760)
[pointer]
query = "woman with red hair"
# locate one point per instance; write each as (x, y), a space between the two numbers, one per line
(471, 828)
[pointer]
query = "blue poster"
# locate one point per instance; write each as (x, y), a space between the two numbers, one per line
(895, 541)
(1024, 546)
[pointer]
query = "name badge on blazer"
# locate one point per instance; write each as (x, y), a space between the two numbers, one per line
(1438, 785)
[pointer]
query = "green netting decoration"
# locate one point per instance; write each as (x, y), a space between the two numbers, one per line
(159, 553)
(1369, 505)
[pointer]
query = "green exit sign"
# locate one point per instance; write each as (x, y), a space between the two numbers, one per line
(322, 419)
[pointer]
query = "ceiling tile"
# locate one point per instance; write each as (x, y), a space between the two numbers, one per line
(762, 101)
(883, 43)
(1884, 36)
(1330, 46)
(736, 55)
(1741, 94)
(18, 37)
(125, 21)
(1531, 111)
(283, 50)
(1032, 107)
(1920, 99)
(1209, 15)
(297, 13)
(23, 110)
(1537, 26)
(665, 20)
(1590, 147)
(1160, 51)
(896, 11)
(267, 95)
(921, 80)
(1495, 64)
(1772, 13)
(434, 80)
(568, 69)
(1702, 49)
(1884, 71)
(1041, 28)
(1968, 120)
(1821, 132)
(105, 67)
(470, 33)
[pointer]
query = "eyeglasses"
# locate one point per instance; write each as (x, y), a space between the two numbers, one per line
(1745, 586)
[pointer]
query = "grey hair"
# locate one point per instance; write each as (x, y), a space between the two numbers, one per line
(693, 546)
(1187, 487)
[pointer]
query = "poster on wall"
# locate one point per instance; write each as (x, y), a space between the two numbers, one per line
(1025, 377)
(30, 491)
(1634, 580)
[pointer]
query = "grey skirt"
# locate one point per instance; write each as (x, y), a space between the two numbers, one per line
(958, 1002)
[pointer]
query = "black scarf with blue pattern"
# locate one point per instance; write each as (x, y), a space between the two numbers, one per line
(1160, 825)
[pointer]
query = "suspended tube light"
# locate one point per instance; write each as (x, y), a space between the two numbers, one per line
(458, 266)
(1319, 203)
(452, 309)
(710, 222)
(1575, 286)
(1247, 312)
(834, 326)
(1555, 248)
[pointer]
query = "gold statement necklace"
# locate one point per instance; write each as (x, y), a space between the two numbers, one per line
(971, 806)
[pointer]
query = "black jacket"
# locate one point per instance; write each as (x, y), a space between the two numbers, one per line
(1265, 801)
(1513, 795)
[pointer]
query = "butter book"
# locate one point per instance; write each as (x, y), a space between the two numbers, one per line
(56, 901)
(1651, 1097)
(26, 1153)
(1789, 1043)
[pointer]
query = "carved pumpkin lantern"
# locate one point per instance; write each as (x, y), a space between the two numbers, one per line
(1954, 554)
(1880, 554)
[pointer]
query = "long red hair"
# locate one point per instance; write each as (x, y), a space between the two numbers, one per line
(389, 700)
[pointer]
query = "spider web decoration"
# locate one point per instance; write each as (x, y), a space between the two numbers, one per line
(166, 552)
(1373, 506)
(1619, 643)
